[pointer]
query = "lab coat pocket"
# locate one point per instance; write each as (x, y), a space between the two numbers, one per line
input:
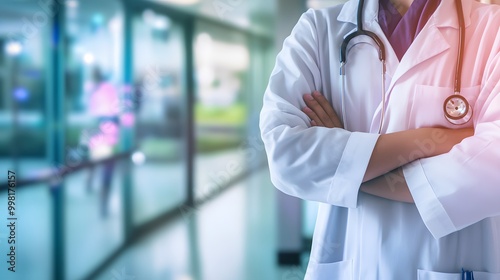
(427, 107)
(329, 271)
(478, 275)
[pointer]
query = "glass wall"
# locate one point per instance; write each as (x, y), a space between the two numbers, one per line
(104, 201)
(96, 112)
(222, 61)
(94, 91)
(160, 109)
(92, 235)
(24, 30)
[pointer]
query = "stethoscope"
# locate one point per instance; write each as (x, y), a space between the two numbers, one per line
(457, 109)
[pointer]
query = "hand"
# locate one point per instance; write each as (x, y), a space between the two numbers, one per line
(320, 111)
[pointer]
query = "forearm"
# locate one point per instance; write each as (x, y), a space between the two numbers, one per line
(391, 185)
(391, 150)
(384, 175)
(397, 149)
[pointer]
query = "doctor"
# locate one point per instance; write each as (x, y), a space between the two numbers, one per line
(405, 194)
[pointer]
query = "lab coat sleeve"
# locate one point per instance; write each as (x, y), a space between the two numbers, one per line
(462, 187)
(312, 163)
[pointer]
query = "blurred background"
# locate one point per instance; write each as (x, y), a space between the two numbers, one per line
(132, 129)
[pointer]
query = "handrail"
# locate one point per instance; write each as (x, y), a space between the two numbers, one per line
(62, 172)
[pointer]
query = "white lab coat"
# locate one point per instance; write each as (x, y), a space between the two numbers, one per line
(455, 220)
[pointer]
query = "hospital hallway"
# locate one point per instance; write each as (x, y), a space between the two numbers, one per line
(222, 239)
(230, 236)
(130, 146)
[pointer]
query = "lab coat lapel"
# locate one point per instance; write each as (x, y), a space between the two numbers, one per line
(430, 42)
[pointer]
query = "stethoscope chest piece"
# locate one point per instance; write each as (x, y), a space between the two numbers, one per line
(457, 109)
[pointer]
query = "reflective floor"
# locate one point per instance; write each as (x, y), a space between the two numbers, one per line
(33, 239)
(231, 237)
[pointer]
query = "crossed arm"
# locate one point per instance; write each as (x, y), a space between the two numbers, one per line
(384, 177)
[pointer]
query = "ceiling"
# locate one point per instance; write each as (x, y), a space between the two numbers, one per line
(255, 15)
(20, 15)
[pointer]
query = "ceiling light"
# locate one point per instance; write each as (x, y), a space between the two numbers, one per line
(13, 48)
(88, 58)
(183, 2)
(73, 4)
(138, 158)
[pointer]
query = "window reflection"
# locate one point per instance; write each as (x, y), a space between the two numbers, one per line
(222, 64)
(94, 107)
(23, 70)
(160, 165)
(87, 229)
(94, 90)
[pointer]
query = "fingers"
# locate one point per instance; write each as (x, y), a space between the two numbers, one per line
(315, 120)
(320, 111)
(320, 98)
(316, 112)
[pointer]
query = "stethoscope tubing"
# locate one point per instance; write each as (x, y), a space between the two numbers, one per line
(461, 46)
(381, 51)
(343, 89)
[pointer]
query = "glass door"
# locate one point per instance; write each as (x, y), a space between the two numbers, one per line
(159, 95)
(222, 61)
(95, 114)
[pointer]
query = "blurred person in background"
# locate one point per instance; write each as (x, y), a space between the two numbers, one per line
(406, 191)
(104, 105)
